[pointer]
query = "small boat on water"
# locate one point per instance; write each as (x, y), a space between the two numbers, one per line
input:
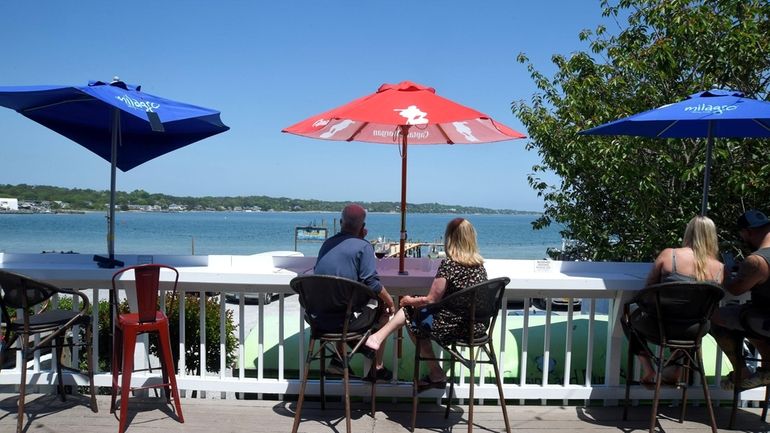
(385, 248)
(310, 233)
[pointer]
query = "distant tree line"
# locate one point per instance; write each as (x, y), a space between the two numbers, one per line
(89, 199)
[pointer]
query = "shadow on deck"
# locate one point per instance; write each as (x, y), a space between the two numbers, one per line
(46, 413)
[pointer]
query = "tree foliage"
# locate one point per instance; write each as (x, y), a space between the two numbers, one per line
(625, 198)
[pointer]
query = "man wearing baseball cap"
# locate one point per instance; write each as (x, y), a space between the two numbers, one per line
(753, 276)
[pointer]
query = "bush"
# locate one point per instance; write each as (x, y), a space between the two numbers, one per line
(192, 333)
(105, 336)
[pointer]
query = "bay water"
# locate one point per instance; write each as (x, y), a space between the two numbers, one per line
(499, 236)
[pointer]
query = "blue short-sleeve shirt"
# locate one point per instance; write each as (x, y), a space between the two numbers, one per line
(348, 256)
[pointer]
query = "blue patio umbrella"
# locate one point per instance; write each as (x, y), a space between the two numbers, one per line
(709, 114)
(116, 121)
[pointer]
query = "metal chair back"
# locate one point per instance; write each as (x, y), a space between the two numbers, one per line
(329, 301)
(146, 285)
(675, 316)
(329, 304)
(481, 303)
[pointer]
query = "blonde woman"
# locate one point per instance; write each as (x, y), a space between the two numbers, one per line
(696, 260)
(463, 267)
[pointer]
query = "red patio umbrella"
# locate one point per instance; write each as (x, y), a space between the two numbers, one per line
(404, 113)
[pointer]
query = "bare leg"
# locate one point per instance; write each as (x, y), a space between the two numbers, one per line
(648, 371)
(375, 340)
(732, 345)
(426, 351)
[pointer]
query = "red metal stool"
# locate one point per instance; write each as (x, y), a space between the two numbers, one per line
(146, 319)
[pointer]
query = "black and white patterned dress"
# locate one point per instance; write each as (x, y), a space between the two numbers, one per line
(451, 322)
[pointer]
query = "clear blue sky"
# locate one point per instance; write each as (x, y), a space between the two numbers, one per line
(266, 65)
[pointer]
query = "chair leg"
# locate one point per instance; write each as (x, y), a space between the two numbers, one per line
(59, 347)
(116, 364)
(629, 375)
(164, 372)
(472, 369)
(165, 375)
(374, 392)
(301, 397)
(764, 403)
(322, 366)
(90, 366)
(23, 383)
(451, 394)
(346, 386)
(168, 368)
(737, 379)
(415, 381)
(706, 394)
(129, 341)
(498, 379)
(658, 379)
(686, 369)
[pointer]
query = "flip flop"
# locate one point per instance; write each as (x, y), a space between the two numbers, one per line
(426, 383)
(727, 383)
(649, 385)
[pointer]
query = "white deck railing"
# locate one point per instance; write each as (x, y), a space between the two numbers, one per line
(596, 378)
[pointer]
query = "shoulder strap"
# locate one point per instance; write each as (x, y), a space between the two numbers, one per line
(673, 261)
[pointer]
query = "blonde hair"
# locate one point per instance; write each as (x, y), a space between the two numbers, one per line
(460, 243)
(701, 236)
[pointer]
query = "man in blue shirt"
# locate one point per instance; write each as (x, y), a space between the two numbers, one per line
(347, 254)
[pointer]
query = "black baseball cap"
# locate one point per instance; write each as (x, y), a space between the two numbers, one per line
(752, 219)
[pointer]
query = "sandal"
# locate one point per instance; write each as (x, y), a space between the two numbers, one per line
(727, 383)
(650, 384)
(426, 383)
(378, 375)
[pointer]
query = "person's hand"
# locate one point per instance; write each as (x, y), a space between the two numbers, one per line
(407, 301)
(390, 307)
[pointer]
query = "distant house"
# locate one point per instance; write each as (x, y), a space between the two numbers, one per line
(9, 204)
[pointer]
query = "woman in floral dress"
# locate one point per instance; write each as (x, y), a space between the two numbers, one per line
(463, 267)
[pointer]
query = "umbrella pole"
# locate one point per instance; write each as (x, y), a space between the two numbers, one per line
(402, 240)
(113, 164)
(707, 171)
(111, 216)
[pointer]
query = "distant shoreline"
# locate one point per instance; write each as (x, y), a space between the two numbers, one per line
(81, 212)
(46, 198)
(33, 212)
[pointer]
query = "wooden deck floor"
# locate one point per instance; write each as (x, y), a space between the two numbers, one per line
(48, 414)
